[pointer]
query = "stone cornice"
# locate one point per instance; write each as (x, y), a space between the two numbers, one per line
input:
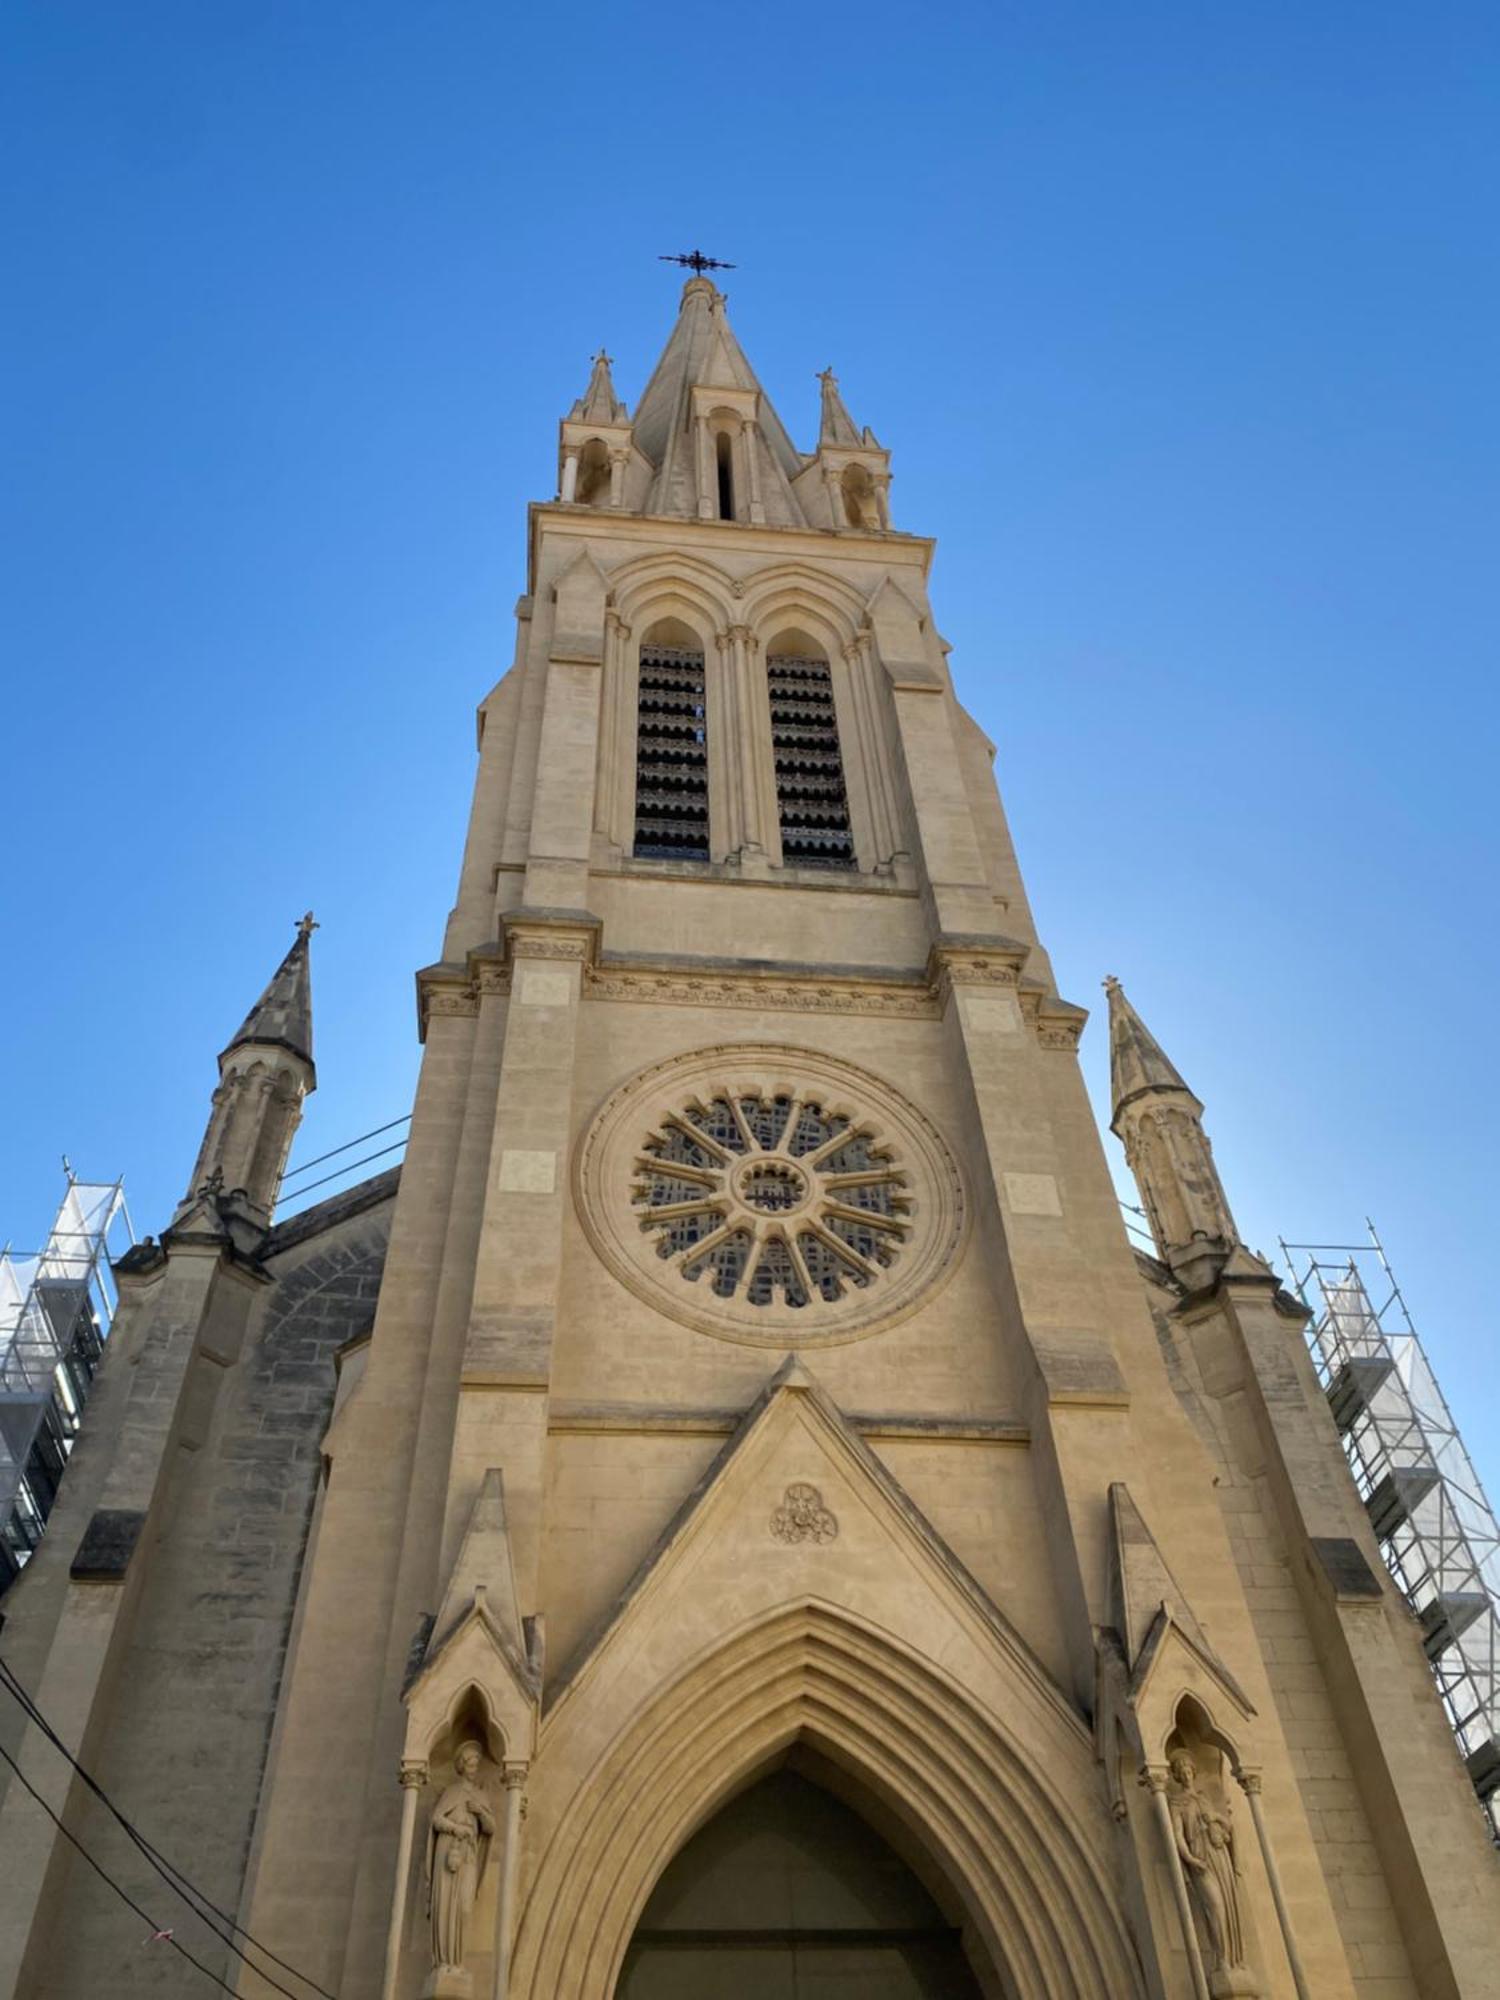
(896, 993)
(452, 989)
(646, 1420)
(554, 934)
(623, 528)
(1057, 1023)
(839, 989)
(813, 992)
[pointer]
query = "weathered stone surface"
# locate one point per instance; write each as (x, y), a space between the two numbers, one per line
(108, 1543)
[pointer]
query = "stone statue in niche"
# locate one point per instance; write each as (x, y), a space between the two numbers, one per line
(458, 1846)
(1205, 1843)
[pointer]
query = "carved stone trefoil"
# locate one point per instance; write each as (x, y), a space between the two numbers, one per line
(802, 1517)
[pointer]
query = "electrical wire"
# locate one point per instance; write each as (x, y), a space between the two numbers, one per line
(347, 1147)
(157, 1933)
(338, 1173)
(201, 1905)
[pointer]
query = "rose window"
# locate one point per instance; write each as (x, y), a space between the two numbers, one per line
(772, 1199)
(777, 1196)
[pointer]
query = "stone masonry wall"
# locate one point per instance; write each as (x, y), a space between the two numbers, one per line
(194, 1710)
(1335, 1809)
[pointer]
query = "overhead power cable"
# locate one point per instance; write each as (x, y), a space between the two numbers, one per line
(156, 1933)
(339, 1172)
(348, 1146)
(202, 1906)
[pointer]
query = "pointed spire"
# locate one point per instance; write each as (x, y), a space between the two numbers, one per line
(282, 1016)
(258, 1104)
(703, 353)
(1137, 1061)
(1160, 1123)
(837, 425)
(599, 404)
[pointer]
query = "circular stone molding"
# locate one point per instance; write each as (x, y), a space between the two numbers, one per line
(770, 1195)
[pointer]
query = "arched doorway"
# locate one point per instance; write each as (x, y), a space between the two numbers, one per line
(788, 1894)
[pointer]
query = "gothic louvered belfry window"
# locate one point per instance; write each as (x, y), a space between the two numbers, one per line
(810, 795)
(671, 768)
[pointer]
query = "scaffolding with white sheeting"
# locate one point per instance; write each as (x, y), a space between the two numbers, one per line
(56, 1305)
(1436, 1529)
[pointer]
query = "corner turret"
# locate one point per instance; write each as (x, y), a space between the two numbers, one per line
(856, 472)
(596, 454)
(1160, 1123)
(264, 1075)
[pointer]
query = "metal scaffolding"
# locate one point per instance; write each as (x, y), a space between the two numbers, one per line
(55, 1310)
(1436, 1529)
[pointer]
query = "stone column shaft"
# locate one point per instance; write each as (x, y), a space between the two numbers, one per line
(750, 437)
(729, 727)
(1156, 1782)
(708, 482)
(1250, 1782)
(755, 756)
(413, 1777)
(505, 1912)
(835, 489)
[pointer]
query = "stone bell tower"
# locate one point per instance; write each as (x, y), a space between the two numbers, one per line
(775, 1534)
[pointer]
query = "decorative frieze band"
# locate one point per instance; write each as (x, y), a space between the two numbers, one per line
(456, 990)
(687, 989)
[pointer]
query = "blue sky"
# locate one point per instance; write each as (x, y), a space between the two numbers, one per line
(1180, 323)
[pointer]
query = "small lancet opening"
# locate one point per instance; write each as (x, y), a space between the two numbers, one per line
(671, 751)
(811, 799)
(593, 474)
(859, 498)
(724, 462)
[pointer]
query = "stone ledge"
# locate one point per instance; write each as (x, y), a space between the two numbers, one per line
(643, 1420)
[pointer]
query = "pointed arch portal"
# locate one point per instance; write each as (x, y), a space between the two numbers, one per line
(972, 1814)
(788, 1893)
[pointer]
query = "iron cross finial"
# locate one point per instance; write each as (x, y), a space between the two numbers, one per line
(696, 262)
(607, 359)
(308, 925)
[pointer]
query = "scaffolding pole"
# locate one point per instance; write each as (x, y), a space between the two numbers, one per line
(1436, 1529)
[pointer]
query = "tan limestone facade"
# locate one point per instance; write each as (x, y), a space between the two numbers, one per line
(734, 1515)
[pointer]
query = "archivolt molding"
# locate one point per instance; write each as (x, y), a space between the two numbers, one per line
(791, 593)
(637, 587)
(995, 1818)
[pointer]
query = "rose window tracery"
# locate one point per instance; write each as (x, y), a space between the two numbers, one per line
(774, 1199)
(777, 1196)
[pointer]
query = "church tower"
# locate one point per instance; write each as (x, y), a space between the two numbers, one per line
(770, 1532)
